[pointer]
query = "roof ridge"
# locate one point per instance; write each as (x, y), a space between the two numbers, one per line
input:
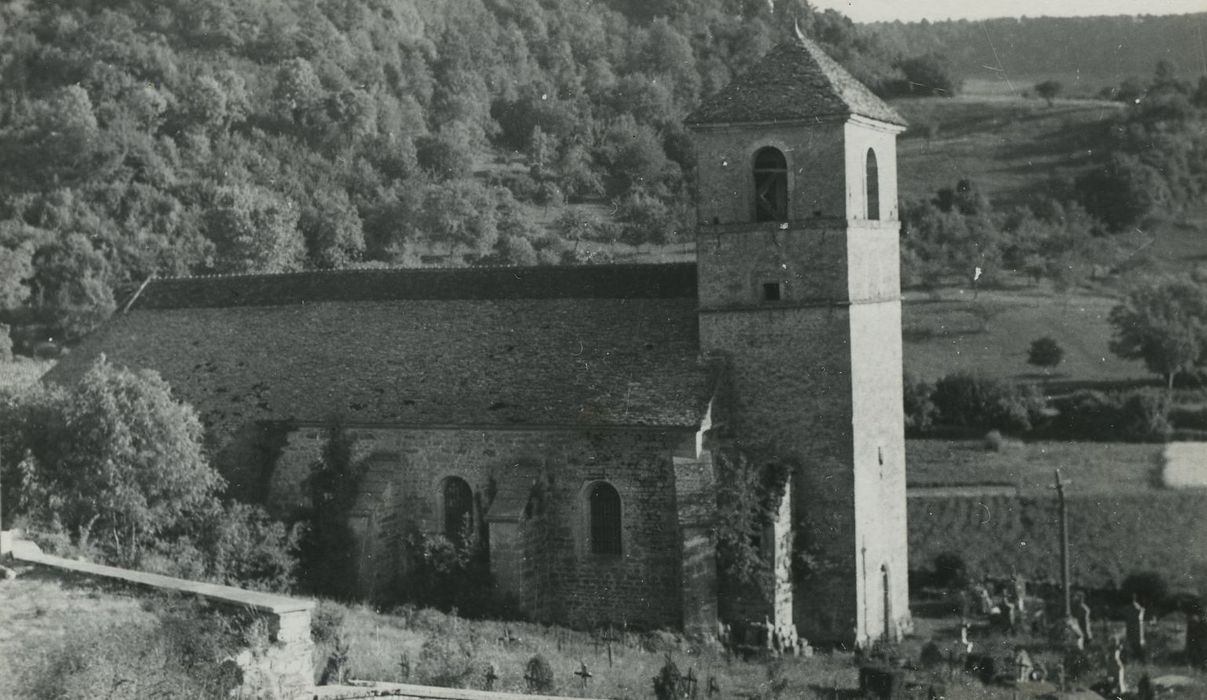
(355, 270)
(795, 81)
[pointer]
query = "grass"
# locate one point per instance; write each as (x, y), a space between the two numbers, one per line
(1093, 467)
(1010, 147)
(944, 336)
(426, 646)
(72, 638)
(21, 372)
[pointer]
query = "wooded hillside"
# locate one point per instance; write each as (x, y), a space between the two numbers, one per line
(1086, 53)
(167, 137)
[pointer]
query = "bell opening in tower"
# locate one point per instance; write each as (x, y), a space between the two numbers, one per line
(770, 185)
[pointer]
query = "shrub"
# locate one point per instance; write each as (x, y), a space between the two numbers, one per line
(1148, 587)
(539, 674)
(1045, 352)
(447, 659)
(326, 622)
(1144, 416)
(978, 402)
(1136, 416)
(919, 408)
(950, 571)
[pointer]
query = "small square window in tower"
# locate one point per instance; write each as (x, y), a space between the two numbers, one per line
(772, 291)
(770, 185)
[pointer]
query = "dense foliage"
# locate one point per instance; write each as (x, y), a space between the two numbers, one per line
(114, 467)
(969, 402)
(1096, 49)
(141, 138)
(1164, 323)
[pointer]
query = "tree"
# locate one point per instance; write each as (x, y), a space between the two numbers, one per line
(115, 460)
(1048, 90)
(254, 230)
(929, 74)
(1163, 323)
(1045, 353)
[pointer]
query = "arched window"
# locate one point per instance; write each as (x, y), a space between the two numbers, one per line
(872, 186)
(604, 504)
(770, 185)
(457, 501)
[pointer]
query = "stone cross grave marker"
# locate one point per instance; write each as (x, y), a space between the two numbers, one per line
(583, 673)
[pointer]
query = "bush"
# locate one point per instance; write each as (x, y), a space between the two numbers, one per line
(950, 571)
(919, 408)
(327, 622)
(539, 674)
(1141, 415)
(1045, 352)
(1148, 587)
(447, 659)
(978, 402)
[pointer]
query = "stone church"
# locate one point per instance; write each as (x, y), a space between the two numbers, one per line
(572, 413)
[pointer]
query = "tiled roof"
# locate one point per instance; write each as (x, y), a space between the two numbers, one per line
(562, 346)
(795, 81)
(546, 282)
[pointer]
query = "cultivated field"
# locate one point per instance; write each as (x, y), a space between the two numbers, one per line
(1089, 467)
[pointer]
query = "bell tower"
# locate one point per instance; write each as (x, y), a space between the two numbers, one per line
(799, 290)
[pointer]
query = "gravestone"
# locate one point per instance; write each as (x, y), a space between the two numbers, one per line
(1084, 621)
(1023, 666)
(965, 642)
(1116, 670)
(1020, 592)
(1136, 645)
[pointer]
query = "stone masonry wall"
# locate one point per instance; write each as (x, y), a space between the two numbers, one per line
(790, 377)
(570, 584)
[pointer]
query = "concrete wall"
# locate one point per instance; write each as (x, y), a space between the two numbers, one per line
(563, 580)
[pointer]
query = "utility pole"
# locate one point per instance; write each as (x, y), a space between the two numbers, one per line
(1064, 545)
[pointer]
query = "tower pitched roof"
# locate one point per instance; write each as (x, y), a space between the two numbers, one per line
(795, 81)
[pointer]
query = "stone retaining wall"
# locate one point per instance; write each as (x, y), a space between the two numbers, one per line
(282, 668)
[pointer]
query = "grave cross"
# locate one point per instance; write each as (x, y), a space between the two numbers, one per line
(713, 687)
(490, 676)
(508, 638)
(608, 636)
(688, 688)
(1064, 545)
(583, 673)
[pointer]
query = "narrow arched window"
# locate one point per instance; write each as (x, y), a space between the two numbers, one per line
(770, 185)
(872, 186)
(457, 502)
(605, 519)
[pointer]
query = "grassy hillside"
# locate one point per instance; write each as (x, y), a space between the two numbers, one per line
(944, 336)
(1010, 147)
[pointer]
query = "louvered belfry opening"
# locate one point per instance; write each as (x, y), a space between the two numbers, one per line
(770, 185)
(605, 519)
(458, 500)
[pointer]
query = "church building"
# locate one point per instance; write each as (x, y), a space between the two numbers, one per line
(572, 414)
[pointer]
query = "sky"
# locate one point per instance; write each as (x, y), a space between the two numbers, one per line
(937, 10)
